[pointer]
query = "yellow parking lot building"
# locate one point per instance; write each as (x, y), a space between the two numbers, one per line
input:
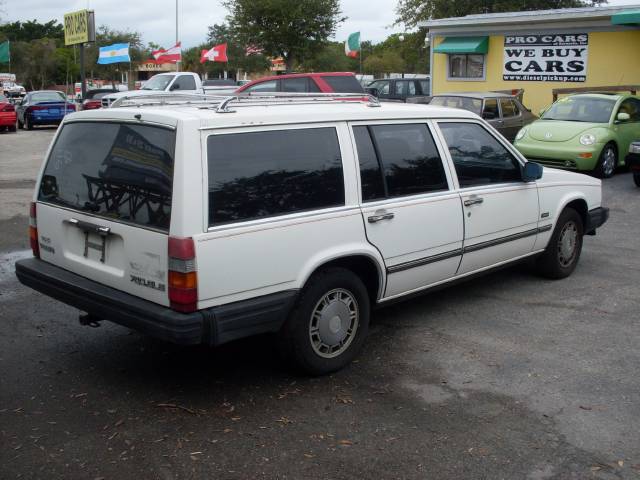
(537, 51)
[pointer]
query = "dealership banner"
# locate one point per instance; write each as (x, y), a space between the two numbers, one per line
(551, 57)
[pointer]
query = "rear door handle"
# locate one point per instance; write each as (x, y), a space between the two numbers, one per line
(380, 216)
(473, 201)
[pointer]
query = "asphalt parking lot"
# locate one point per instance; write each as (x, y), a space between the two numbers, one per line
(508, 376)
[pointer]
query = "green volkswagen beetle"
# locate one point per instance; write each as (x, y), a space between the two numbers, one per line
(586, 132)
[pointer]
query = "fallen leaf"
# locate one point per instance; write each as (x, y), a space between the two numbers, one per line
(621, 463)
(585, 408)
(308, 455)
(345, 442)
(119, 422)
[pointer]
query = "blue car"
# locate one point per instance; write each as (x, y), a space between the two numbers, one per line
(44, 107)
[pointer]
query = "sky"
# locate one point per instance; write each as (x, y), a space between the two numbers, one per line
(155, 19)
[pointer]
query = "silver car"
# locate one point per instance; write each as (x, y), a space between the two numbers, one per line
(504, 112)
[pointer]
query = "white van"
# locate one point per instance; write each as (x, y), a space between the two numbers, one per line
(204, 221)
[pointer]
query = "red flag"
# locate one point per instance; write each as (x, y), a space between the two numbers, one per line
(216, 54)
(172, 55)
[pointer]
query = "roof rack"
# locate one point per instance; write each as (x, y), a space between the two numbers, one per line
(222, 104)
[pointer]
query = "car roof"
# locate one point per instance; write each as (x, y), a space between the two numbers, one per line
(297, 75)
(608, 96)
(270, 114)
(475, 95)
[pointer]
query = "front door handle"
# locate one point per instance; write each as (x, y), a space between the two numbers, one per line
(473, 201)
(380, 216)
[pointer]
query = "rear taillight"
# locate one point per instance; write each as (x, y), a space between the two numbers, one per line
(7, 107)
(183, 278)
(33, 230)
(38, 107)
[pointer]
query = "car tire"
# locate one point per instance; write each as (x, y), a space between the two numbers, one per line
(607, 162)
(561, 256)
(27, 123)
(636, 179)
(329, 323)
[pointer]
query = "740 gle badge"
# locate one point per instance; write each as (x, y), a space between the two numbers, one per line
(143, 282)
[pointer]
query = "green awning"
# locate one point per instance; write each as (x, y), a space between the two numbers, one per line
(463, 45)
(630, 17)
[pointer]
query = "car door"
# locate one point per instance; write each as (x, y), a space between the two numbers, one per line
(491, 113)
(500, 210)
(629, 130)
(184, 83)
(511, 118)
(410, 211)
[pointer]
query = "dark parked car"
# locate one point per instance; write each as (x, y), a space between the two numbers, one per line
(219, 82)
(400, 89)
(504, 112)
(93, 98)
(633, 161)
(44, 107)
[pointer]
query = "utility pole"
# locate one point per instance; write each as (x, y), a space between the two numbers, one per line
(177, 63)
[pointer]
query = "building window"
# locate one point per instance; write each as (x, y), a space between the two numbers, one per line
(466, 66)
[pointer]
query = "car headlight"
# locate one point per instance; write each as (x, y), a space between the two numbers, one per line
(521, 134)
(588, 139)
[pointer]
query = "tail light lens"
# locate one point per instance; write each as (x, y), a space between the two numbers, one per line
(38, 107)
(183, 277)
(6, 107)
(33, 230)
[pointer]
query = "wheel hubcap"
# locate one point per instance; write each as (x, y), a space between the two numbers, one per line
(567, 244)
(609, 161)
(334, 323)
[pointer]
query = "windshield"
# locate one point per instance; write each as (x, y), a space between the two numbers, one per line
(47, 97)
(581, 109)
(159, 82)
(472, 104)
(120, 171)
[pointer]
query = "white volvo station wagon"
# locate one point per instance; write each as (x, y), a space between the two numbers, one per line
(203, 221)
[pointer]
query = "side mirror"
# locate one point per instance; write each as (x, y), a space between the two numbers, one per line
(623, 117)
(532, 172)
(488, 115)
(372, 91)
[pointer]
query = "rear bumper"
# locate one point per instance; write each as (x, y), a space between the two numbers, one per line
(595, 219)
(213, 326)
(633, 161)
(7, 119)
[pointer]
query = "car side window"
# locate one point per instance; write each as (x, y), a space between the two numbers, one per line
(509, 108)
(268, 86)
(424, 85)
(403, 156)
(313, 86)
(632, 107)
(185, 82)
(399, 88)
(294, 85)
(383, 87)
(490, 109)
(411, 88)
(479, 158)
(264, 174)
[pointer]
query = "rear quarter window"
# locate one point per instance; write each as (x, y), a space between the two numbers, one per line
(120, 171)
(264, 174)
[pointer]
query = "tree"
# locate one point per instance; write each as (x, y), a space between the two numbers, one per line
(292, 30)
(32, 30)
(236, 52)
(106, 36)
(410, 12)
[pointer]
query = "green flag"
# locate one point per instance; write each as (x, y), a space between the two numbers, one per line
(4, 52)
(352, 45)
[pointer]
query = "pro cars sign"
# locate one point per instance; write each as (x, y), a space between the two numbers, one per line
(79, 27)
(551, 57)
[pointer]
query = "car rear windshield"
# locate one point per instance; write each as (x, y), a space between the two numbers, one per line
(343, 83)
(47, 97)
(466, 103)
(120, 171)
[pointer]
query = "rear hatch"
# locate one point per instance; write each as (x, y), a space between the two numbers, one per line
(104, 205)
